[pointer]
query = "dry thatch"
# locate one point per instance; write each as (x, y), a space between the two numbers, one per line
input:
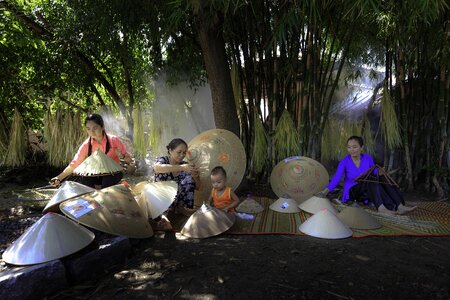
(139, 140)
(63, 132)
(286, 138)
(97, 164)
(389, 121)
(17, 147)
(259, 153)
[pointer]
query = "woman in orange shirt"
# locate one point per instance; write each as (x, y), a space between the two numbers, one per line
(98, 139)
(221, 195)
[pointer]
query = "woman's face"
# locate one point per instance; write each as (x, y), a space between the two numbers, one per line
(94, 130)
(353, 148)
(178, 153)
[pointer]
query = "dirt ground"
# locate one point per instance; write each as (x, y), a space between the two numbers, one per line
(170, 266)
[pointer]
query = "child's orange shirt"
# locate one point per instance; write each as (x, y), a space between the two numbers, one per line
(224, 200)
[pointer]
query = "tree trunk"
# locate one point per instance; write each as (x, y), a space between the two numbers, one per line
(210, 37)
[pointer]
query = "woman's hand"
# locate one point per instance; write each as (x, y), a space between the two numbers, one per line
(55, 181)
(323, 193)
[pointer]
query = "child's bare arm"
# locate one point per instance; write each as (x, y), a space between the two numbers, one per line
(234, 201)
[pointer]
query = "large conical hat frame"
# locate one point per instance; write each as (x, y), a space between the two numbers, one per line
(156, 197)
(138, 187)
(250, 206)
(53, 236)
(67, 190)
(113, 210)
(208, 221)
(97, 164)
(216, 147)
(285, 204)
(358, 218)
(324, 224)
(300, 177)
(365, 177)
(315, 204)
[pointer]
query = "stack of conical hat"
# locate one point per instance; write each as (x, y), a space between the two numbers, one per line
(156, 197)
(67, 190)
(315, 204)
(324, 224)
(113, 210)
(217, 147)
(300, 177)
(285, 204)
(358, 218)
(208, 221)
(98, 164)
(250, 206)
(53, 236)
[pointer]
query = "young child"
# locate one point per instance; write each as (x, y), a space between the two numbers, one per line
(222, 196)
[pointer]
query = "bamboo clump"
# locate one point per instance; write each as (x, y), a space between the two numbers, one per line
(286, 138)
(17, 147)
(389, 121)
(369, 142)
(139, 140)
(259, 151)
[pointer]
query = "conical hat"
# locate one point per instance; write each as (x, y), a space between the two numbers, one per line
(250, 206)
(138, 187)
(113, 210)
(285, 204)
(300, 177)
(217, 147)
(53, 236)
(208, 221)
(98, 164)
(315, 204)
(156, 197)
(324, 224)
(67, 190)
(358, 218)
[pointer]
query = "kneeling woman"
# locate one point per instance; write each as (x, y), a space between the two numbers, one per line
(387, 199)
(98, 139)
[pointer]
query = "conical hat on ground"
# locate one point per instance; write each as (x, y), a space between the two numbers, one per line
(53, 236)
(358, 218)
(208, 221)
(156, 197)
(285, 204)
(315, 204)
(138, 187)
(67, 190)
(324, 224)
(216, 147)
(113, 210)
(300, 177)
(250, 206)
(97, 164)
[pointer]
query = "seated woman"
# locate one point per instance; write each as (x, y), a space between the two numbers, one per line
(355, 164)
(98, 139)
(172, 167)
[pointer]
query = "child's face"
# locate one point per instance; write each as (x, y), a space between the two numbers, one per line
(218, 181)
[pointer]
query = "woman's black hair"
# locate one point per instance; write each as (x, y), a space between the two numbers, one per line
(175, 143)
(97, 119)
(219, 170)
(358, 139)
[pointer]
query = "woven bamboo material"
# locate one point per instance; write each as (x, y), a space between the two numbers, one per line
(216, 147)
(97, 164)
(208, 221)
(113, 210)
(299, 177)
(53, 236)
